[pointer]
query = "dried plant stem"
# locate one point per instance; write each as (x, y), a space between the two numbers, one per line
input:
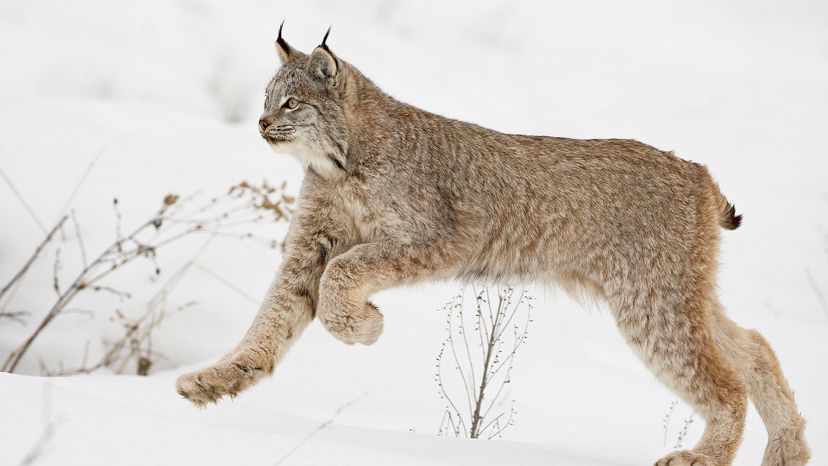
(87, 278)
(482, 388)
(683, 432)
(817, 292)
(665, 422)
(227, 283)
(34, 256)
(50, 426)
(490, 347)
(318, 429)
(23, 202)
(134, 328)
(80, 181)
(16, 316)
(141, 242)
(17, 354)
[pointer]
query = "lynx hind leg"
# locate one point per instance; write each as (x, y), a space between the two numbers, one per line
(677, 344)
(751, 355)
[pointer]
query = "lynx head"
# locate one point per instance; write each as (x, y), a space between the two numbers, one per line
(304, 109)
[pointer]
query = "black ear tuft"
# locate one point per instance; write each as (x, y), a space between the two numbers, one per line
(279, 39)
(324, 45)
(285, 51)
(325, 39)
(323, 63)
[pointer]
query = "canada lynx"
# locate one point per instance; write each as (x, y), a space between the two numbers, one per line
(393, 194)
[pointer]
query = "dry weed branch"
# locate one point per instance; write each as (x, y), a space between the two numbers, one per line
(245, 204)
(499, 332)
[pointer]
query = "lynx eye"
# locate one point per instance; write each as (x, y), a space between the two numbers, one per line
(292, 103)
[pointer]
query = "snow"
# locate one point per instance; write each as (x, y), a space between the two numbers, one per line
(163, 96)
(253, 431)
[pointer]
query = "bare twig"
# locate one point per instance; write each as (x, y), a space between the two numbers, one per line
(227, 283)
(506, 425)
(16, 316)
(42, 442)
(56, 272)
(817, 292)
(319, 428)
(475, 418)
(665, 422)
(145, 240)
(61, 216)
(80, 182)
(80, 239)
(482, 389)
(49, 429)
(34, 256)
(23, 202)
(120, 294)
(444, 394)
(467, 385)
(683, 432)
(139, 331)
(118, 235)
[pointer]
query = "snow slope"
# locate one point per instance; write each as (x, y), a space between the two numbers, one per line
(163, 96)
(129, 420)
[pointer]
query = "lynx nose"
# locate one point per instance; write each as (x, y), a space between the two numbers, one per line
(264, 122)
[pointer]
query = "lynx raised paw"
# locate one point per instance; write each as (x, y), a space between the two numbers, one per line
(685, 458)
(363, 327)
(228, 377)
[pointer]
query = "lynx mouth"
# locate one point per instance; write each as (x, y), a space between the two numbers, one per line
(276, 139)
(278, 134)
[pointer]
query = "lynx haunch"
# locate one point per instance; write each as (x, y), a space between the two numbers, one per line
(393, 194)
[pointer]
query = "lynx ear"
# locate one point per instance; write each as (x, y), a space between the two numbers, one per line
(323, 64)
(285, 51)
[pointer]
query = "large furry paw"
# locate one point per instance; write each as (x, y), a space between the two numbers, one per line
(228, 377)
(787, 448)
(363, 325)
(685, 458)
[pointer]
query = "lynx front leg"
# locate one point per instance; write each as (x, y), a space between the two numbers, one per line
(352, 277)
(285, 312)
(283, 316)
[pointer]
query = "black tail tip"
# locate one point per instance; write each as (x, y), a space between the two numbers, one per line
(731, 220)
